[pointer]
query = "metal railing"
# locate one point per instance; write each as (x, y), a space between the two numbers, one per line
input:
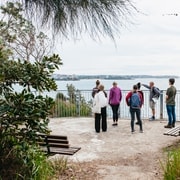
(85, 96)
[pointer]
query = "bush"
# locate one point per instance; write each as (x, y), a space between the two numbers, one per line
(65, 107)
(25, 162)
(172, 166)
(23, 114)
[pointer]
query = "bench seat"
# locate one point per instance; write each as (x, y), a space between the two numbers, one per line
(55, 144)
(173, 132)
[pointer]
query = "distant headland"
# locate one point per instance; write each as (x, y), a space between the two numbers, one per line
(65, 77)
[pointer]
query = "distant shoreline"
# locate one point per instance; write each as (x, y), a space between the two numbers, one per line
(64, 77)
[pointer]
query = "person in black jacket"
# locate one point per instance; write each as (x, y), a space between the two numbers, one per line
(96, 88)
(142, 95)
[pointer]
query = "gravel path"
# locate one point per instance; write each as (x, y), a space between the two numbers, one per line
(116, 154)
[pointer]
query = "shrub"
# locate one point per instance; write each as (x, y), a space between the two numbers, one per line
(66, 107)
(171, 167)
(22, 113)
(24, 161)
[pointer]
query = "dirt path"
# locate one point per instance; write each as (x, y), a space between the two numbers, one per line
(116, 154)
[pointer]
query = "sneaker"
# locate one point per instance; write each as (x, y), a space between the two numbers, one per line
(114, 124)
(141, 131)
(152, 118)
(173, 125)
(168, 126)
(133, 131)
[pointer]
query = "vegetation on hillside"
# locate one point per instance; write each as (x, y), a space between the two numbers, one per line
(71, 105)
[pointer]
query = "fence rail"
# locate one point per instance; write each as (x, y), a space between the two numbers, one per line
(82, 96)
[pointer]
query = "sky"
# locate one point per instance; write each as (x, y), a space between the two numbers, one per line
(150, 46)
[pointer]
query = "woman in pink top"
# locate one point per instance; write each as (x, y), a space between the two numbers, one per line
(115, 96)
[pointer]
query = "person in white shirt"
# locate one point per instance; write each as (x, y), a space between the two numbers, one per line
(100, 100)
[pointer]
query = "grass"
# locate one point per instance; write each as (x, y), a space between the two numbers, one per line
(64, 169)
(171, 166)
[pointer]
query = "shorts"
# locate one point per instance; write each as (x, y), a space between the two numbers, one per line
(152, 104)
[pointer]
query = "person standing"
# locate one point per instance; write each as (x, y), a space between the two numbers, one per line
(115, 96)
(100, 100)
(142, 95)
(134, 101)
(170, 104)
(95, 89)
(154, 92)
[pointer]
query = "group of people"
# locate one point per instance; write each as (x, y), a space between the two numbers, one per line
(135, 100)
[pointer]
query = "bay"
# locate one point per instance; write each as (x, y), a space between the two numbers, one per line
(125, 85)
(88, 84)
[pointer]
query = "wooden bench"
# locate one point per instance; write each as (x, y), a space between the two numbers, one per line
(173, 132)
(55, 144)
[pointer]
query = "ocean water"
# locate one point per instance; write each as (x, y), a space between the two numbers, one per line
(88, 84)
(126, 85)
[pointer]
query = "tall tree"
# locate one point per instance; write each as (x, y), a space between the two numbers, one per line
(20, 35)
(23, 113)
(74, 17)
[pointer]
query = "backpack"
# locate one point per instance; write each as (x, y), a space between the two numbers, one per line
(156, 92)
(135, 101)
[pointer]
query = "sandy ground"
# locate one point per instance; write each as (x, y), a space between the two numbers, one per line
(116, 154)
